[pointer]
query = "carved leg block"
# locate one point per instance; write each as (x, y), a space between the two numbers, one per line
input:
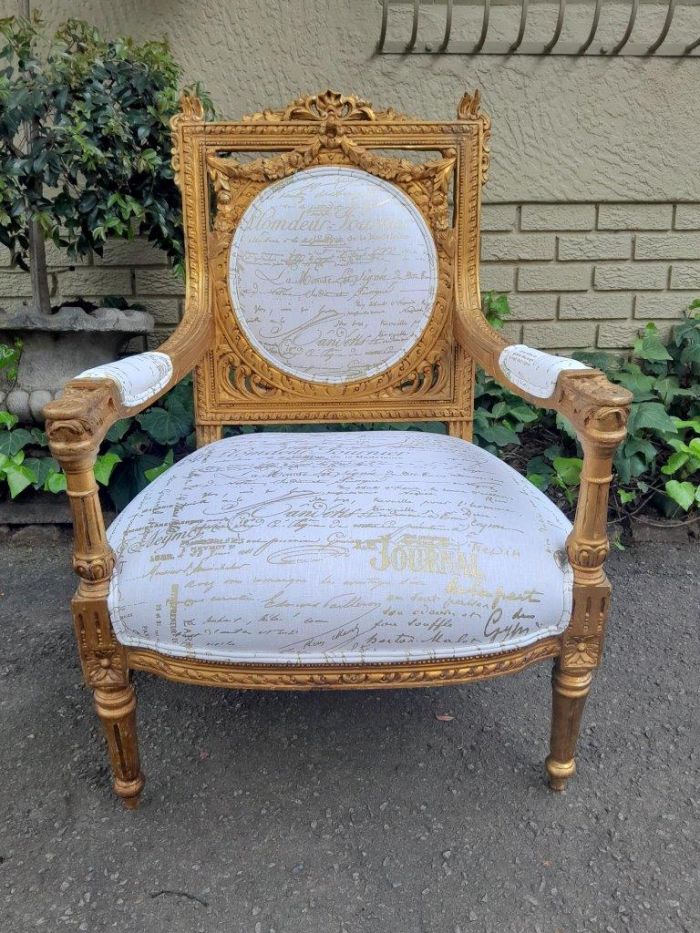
(117, 711)
(569, 692)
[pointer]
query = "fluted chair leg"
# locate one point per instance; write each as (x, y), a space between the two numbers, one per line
(116, 708)
(569, 692)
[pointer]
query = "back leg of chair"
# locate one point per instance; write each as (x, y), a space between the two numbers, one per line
(116, 707)
(569, 692)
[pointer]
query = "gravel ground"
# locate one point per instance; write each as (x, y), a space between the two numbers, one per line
(355, 812)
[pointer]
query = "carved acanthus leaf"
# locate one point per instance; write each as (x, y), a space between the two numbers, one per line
(329, 104)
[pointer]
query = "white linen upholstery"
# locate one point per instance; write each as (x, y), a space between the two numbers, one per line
(332, 274)
(137, 377)
(534, 371)
(339, 548)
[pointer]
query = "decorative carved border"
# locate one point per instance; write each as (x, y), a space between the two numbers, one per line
(434, 381)
(345, 677)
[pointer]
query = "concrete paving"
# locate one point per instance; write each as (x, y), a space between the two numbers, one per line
(355, 812)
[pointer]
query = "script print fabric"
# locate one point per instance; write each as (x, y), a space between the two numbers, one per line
(339, 548)
(333, 274)
(534, 371)
(138, 377)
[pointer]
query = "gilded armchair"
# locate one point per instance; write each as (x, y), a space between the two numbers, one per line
(329, 281)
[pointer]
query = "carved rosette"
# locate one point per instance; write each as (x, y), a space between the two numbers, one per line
(582, 643)
(105, 667)
(103, 658)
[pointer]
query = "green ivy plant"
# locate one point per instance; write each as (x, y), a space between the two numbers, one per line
(10, 354)
(658, 462)
(25, 460)
(84, 139)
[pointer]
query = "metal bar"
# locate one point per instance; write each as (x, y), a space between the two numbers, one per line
(665, 28)
(448, 26)
(533, 49)
(414, 30)
(484, 26)
(557, 29)
(385, 21)
(523, 23)
(628, 32)
(594, 27)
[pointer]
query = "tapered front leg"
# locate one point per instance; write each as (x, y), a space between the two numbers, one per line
(569, 692)
(116, 708)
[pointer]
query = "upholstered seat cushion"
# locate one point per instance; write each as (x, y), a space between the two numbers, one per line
(337, 548)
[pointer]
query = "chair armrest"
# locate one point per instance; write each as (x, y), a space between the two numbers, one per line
(598, 410)
(91, 402)
(581, 394)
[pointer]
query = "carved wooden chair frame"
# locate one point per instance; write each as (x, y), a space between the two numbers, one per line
(234, 384)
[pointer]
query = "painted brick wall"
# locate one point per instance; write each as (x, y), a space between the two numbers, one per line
(577, 275)
(591, 275)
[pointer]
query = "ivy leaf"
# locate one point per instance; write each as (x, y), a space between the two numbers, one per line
(524, 413)
(539, 481)
(568, 470)
(167, 425)
(118, 430)
(156, 471)
(7, 420)
(625, 497)
(682, 493)
(640, 385)
(104, 466)
(55, 482)
(42, 468)
(693, 423)
(675, 462)
(650, 346)
(650, 415)
(13, 441)
(18, 477)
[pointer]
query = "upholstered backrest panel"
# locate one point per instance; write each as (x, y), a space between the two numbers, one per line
(324, 241)
(333, 274)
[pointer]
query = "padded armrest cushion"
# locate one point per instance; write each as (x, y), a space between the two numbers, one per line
(532, 370)
(138, 378)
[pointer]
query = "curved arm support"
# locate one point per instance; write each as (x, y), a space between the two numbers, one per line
(76, 424)
(598, 410)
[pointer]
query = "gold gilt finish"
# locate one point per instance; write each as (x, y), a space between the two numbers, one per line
(234, 384)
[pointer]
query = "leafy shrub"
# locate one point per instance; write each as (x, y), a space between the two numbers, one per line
(97, 161)
(659, 461)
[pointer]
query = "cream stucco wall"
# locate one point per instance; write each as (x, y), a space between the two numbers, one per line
(588, 155)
